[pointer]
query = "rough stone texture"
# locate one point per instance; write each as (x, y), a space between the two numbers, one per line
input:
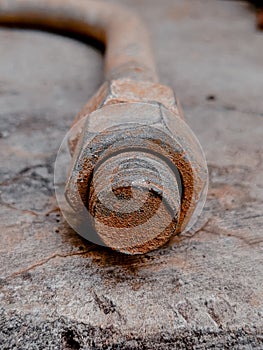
(204, 289)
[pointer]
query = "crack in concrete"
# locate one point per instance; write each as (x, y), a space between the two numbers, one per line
(23, 211)
(216, 231)
(45, 261)
(250, 243)
(25, 170)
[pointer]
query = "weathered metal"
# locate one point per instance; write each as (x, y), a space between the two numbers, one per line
(137, 168)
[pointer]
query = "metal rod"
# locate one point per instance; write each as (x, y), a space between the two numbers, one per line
(128, 51)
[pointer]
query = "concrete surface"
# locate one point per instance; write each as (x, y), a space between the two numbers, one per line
(204, 289)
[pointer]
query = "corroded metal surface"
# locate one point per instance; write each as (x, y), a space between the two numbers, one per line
(137, 169)
(107, 132)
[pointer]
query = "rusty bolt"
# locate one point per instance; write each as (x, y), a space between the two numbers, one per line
(138, 174)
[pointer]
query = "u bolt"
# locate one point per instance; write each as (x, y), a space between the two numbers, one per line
(138, 174)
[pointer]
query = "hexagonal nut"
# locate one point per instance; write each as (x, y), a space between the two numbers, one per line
(143, 127)
(122, 91)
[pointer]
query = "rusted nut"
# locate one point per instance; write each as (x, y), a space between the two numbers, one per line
(138, 155)
(138, 174)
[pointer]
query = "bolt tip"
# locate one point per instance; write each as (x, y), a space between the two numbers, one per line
(134, 200)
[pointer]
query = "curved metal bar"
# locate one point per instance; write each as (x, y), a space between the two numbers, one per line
(128, 51)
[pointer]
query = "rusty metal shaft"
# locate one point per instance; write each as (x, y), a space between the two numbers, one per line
(138, 174)
(128, 52)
